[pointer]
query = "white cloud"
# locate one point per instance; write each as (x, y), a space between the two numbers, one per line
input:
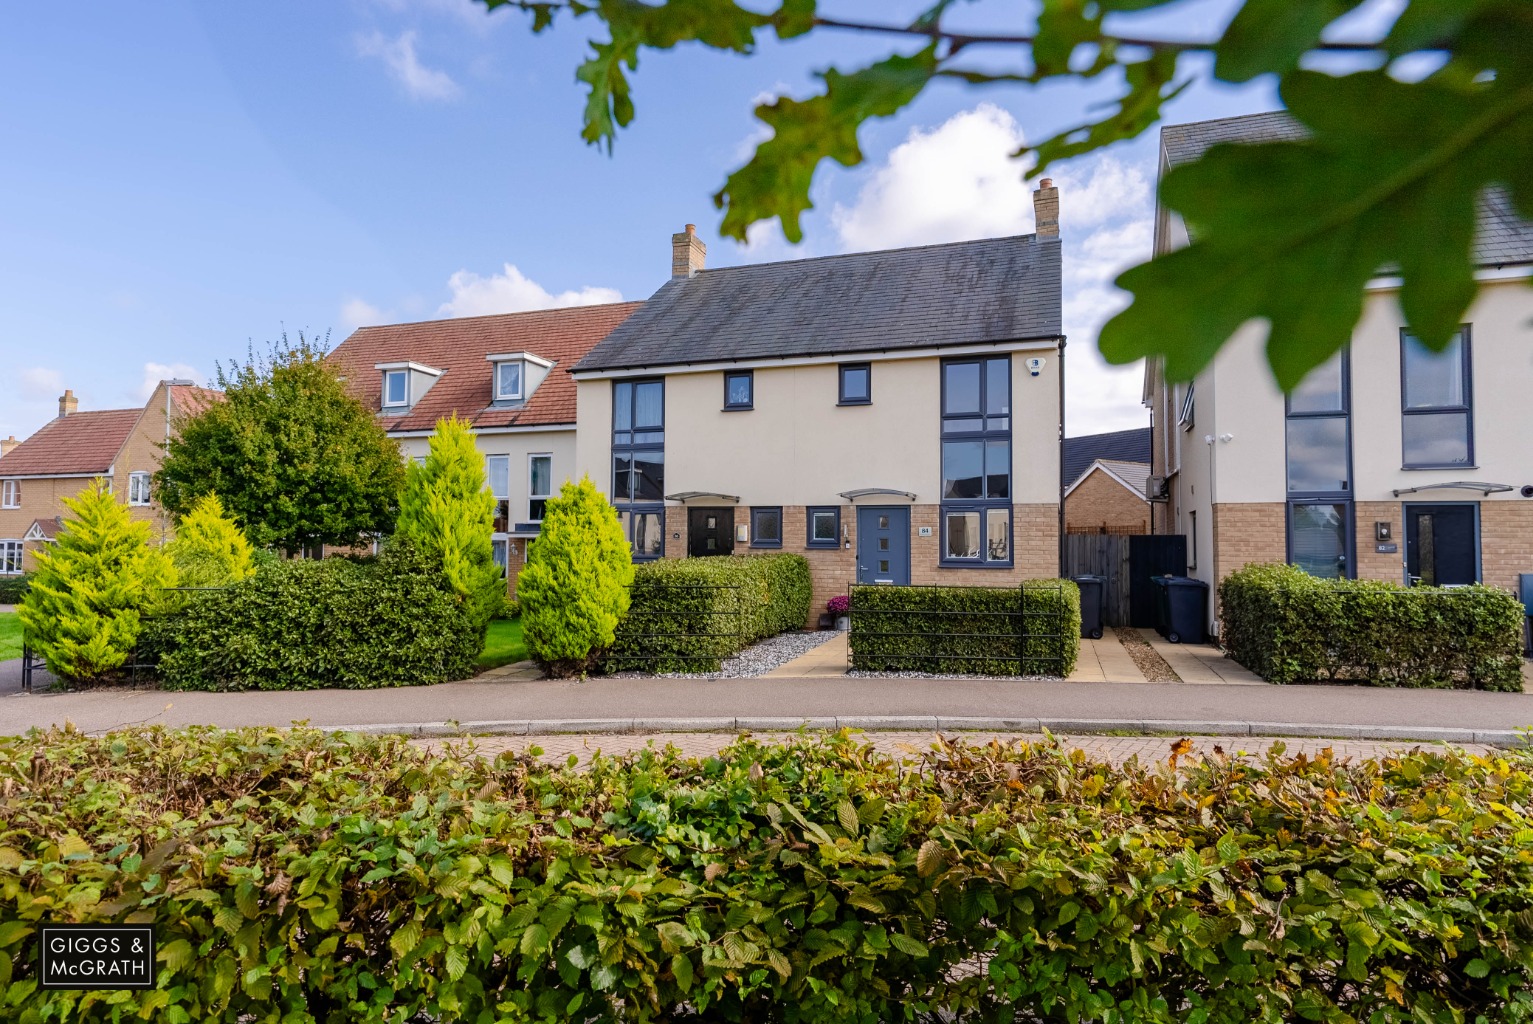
(360, 313)
(156, 372)
(38, 384)
(399, 56)
(472, 13)
(513, 292)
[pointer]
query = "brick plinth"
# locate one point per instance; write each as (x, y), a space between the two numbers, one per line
(1248, 532)
(1506, 541)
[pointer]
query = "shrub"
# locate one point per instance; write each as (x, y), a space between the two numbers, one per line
(688, 615)
(209, 550)
(299, 625)
(1034, 629)
(84, 608)
(574, 588)
(298, 876)
(447, 513)
(1289, 627)
(14, 588)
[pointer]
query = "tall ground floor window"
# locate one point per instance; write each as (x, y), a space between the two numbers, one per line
(645, 530)
(1320, 538)
(10, 557)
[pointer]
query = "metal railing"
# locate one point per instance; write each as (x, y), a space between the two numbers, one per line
(713, 615)
(1027, 634)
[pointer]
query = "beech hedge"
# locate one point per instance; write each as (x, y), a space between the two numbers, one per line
(394, 620)
(688, 615)
(294, 876)
(1031, 629)
(1290, 627)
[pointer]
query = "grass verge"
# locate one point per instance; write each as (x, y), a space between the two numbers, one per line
(502, 646)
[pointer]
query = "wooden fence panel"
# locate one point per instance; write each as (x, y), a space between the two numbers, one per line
(1120, 558)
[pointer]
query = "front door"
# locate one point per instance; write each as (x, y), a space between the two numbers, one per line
(1440, 545)
(883, 545)
(710, 531)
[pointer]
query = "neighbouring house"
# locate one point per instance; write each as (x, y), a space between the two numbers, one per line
(1390, 462)
(1105, 477)
(508, 375)
(894, 416)
(122, 446)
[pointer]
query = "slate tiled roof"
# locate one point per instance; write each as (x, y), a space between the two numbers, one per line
(995, 289)
(458, 348)
(1501, 236)
(1136, 473)
(1118, 445)
(83, 442)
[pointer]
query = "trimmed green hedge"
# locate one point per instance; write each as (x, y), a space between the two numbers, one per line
(14, 588)
(295, 876)
(1290, 627)
(1032, 629)
(689, 614)
(299, 625)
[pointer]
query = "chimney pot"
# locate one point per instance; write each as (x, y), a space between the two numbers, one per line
(688, 253)
(1046, 209)
(68, 403)
(1046, 183)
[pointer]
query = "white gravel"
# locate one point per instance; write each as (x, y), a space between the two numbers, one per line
(756, 660)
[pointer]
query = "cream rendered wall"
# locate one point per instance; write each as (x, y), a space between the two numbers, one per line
(1252, 466)
(558, 443)
(798, 447)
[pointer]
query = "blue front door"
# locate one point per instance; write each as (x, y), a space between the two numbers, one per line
(883, 545)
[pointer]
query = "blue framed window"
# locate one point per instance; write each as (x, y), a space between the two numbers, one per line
(739, 389)
(1436, 404)
(856, 384)
(823, 526)
(976, 462)
(638, 464)
(1318, 436)
(766, 526)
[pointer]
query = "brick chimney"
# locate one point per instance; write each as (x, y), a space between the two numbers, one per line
(687, 253)
(9, 443)
(1046, 209)
(68, 403)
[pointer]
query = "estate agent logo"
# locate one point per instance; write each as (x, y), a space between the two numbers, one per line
(97, 956)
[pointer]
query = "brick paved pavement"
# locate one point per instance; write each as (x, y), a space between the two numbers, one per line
(1116, 749)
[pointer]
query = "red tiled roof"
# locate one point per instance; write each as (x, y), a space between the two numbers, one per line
(458, 348)
(190, 401)
(83, 442)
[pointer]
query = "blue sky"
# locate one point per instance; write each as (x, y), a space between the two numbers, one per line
(179, 179)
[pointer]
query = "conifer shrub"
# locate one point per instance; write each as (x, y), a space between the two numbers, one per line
(14, 588)
(447, 514)
(573, 590)
(209, 549)
(85, 605)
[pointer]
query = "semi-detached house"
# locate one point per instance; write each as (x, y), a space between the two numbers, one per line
(893, 416)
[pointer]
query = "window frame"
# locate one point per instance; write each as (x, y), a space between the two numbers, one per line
(521, 380)
(7, 546)
(405, 402)
(502, 542)
(10, 493)
(134, 498)
(809, 513)
(628, 505)
(750, 384)
(1348, 528)
(985, 434)
(532, 496)
(1466, 409)
(841, 370)
(756, 541)
(1344, 414)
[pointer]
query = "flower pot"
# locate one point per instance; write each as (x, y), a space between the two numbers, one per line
(844, 623)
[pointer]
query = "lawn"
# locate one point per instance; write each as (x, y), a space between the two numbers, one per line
(502, 647)
(10, 635)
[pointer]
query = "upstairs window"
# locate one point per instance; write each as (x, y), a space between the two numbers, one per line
(976, 462)
(508, 381)
(497, 472)
(396, 388)
(638, 464)
(739, 390)
(1437, 422)
(10, 493)
(540, 477)
(138, 488)
(856, 384)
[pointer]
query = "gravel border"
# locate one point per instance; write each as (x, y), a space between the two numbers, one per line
(1155, 668)
(756, 660)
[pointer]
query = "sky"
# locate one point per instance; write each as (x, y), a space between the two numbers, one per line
(181, 180)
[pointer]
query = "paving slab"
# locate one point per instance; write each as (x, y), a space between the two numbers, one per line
(828, 659)
(1201, 663)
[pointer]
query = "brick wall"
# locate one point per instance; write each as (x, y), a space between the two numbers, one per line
(1248, 532)
(1506, 541)
(1102, 504)
(1371, 565)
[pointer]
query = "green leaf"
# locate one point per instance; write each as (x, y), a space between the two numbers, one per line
(405, 938)
(534, 940)
(905, 944)
(681, 967)
(457, 962)
(12, 932)
(929, 858)
(1269, 36)
(1477, 968)
(846, 814)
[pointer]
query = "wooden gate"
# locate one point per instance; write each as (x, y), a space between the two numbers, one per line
(1128, 562)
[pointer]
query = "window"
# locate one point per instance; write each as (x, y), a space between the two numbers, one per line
(1436, 404)
(824, 527)
(540, 478)
(396, 388)
(1187, 415)
(508, 381)
(740, 390)
(766, 527)
(10, 493)
(10, 557)
(138, 488)
(1319, 439)
(638, 463)
(500, 548)
(976, 461)
(856, 384)
(497, 473)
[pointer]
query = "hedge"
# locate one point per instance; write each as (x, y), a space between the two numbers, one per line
(1033, 629)
(1290, 627)
(688, 615)
(14, 588)
(295, 876)
(337, 622)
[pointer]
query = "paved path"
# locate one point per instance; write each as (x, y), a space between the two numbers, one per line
(1201, 663)
(1116, 749)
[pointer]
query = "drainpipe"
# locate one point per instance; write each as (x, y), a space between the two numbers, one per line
(1061, 451)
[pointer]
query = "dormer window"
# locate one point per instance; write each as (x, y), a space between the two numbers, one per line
(508, 381)
(404, 383)
(515, 376)
(396, 388)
